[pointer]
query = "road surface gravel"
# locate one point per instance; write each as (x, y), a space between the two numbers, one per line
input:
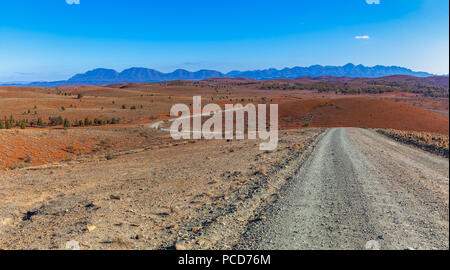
(355, 187)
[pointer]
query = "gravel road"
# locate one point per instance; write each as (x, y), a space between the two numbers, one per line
(359, 186)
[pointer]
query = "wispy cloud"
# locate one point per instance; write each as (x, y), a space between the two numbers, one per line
(73, 2)
(362, 37)
(373, 2)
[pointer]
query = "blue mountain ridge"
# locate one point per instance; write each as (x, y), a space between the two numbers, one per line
(101, 76)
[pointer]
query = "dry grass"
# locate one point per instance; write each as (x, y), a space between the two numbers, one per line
(438, 140)
(432, 142)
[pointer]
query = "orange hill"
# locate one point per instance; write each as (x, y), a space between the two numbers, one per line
(360, 112)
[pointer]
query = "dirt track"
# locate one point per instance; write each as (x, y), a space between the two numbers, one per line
(358, 186)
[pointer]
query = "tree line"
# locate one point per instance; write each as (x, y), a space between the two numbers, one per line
(8, 123)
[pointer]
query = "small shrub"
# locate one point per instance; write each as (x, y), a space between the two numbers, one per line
(87, 122)
(67, 123)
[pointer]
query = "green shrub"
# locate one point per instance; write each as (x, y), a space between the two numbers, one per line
(67, 123)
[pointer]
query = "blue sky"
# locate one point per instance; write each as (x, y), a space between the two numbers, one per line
(52, 40)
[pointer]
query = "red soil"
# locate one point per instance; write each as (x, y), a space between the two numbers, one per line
(360, 112)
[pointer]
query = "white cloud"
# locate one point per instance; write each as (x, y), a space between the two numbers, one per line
(73, 2)
(373, 2)
(362, 37)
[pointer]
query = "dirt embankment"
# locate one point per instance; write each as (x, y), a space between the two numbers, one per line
(434, 143)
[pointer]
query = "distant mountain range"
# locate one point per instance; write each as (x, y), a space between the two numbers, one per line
(101, 76)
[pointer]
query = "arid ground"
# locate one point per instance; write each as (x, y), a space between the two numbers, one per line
(104, 178)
